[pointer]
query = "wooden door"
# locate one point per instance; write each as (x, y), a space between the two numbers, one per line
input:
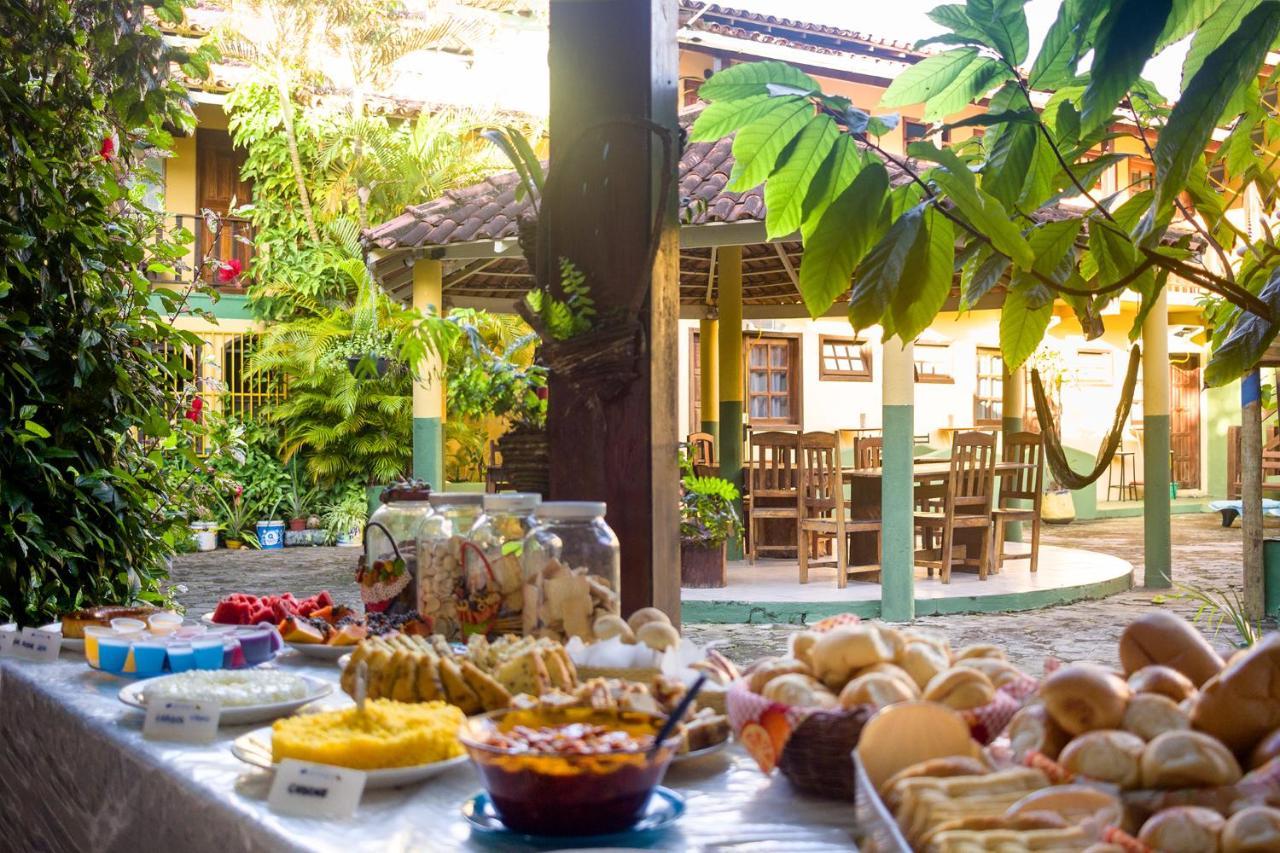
(1184, 420)
(219, 187)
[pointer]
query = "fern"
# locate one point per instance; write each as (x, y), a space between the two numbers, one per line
(572, 316)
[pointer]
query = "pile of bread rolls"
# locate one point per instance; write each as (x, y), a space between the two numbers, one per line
(876, 665)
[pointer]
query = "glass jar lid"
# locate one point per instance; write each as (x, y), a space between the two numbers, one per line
(512, 502)
(458, 499)
(570, 510)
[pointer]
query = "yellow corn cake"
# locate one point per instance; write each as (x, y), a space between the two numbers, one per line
(386, 734)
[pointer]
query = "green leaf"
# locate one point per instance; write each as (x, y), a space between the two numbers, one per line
(785, 191)
(987, 216)
(1114, 255)
(1191, 124)
(1005, 23)
(1006, 168)
(928, 77)
(1224, 21)
(836, 173)
(1247, 341)
(842, 237)
(956, 18)
(757, 146)
(1125, 40)
(1041, 171)
(722, 118)
(926, 277)
(1061, 49)
(973, 82)
(35, 429)
(987, 119)
(881, 270)
(753, 78)
(982, 275)
(1051, 241)
(1023, 322)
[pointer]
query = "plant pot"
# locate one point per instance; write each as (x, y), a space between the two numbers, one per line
(526, 460)
(380, 364)
(270, 534)
(1057, 508)
(205, 535)
(702, 566)
(350, 539)
(234, 544)
(298, 523)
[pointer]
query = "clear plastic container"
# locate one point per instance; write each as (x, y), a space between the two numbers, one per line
(571, 570)
(388, 567)
(491, 562)
(439, 577)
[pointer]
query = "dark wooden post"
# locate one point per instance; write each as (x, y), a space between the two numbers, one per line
(1251, 492)
(616, 59)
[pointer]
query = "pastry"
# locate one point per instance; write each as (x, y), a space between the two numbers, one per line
(1032, 729)
(960, 688)
(1252, 830)
(1164, 680)
(798, 689)
(878, 689)
(612, 625)
(1267, 749)
(73, 624)
(1000, 671)
(1074, 803)
(644, 616)
(897, 672)
(1083, 697)
(801, 646)
(840, 653)
(770, 668)
(1160, 637)
(981, 650)
(923, 661)
(1183, 829)
(658, 636)
(1241, 704)
(1151, 714)
(1186, 759)
(1105, 756)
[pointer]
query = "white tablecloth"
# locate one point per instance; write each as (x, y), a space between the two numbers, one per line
(77, 775)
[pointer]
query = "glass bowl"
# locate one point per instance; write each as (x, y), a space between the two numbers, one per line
(567, 793)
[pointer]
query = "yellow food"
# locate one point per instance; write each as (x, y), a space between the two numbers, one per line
(386, 734)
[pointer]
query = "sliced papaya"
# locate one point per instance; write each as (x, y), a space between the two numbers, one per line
(299, 631)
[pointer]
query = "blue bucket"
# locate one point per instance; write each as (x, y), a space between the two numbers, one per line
(271, 535)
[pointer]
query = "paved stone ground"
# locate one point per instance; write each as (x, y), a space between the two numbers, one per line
(1204, 554)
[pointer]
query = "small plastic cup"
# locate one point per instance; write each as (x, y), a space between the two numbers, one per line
(181, 657)
(148, 659)
(163, 624)
(256, 643)
(126, 627)
(233, 654)
(207, 653)
(92, 634)
(113, 653)
(190, 630)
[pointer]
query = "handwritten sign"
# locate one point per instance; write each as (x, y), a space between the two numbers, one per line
(34, 645)
(302, 789)
(187, 722)
(8, 634)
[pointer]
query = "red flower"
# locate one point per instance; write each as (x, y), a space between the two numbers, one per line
(239, 491)
(541, 392)
(108, 149)
(193, 414)
(230, 270)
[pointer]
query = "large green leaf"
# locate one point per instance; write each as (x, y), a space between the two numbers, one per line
(954, 17)
(880, 272)
(1005, 23)
(833, 176)
(1041, 171)
(754, 78)
(1006, 169)
(1124, 42)
(1224, 21)
(842, 237)
(757, 146)
(1112, 252)
(1248, 340)
(786, 189)
(1061, 49)
(722, 118)
(928, 77)
(986, 215)
(1023, 321)
(1186, 18)
(980, 275)
(973, 82)
(1050, 243)
(1191, 124)
(926, 277)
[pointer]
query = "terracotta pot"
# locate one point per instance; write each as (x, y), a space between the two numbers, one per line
(702, 566)
(298, 523)
(526, 460)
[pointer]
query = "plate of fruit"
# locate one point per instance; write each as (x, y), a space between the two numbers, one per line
(241, 608)
(331, 632)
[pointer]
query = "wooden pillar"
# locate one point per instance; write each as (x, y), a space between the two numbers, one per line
(428, 390)
(616, 61)
(1157, 557)
(1251, 492)
(897, 561)
(729, 296)
(1013, 403)
(709, 376)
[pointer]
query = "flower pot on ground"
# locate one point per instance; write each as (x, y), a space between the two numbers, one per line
(1057, 507)
(702, 566)
(298, 499)
(233, 544)
(296, 524)
(708, 520)
(205, 535)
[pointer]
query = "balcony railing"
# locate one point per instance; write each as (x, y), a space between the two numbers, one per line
(219, 249)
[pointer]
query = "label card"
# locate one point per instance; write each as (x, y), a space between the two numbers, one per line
(303, 789)
(36, 645)
(187, 722)
(8, 634)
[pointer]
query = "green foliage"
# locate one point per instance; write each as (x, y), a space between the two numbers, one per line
(707, 513)
(347, 512)
(89, 512)
(1215, 608)
(491, 372)
(568, 317)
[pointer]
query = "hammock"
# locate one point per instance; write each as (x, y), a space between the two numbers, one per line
(1053, 450)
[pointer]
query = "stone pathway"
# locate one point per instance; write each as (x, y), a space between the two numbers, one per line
(1204, 554)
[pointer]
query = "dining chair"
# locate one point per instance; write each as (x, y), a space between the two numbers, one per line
(824, 513)
(869, 452)
(773, 492)
(495, 476)
(1023, 485)
(702, 453)
(966, 504)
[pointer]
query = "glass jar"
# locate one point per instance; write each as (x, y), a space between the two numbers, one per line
(387, 570)
(440, 539)
(491, 562)
(571, 570)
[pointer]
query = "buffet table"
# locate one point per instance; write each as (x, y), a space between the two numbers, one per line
(77, 774)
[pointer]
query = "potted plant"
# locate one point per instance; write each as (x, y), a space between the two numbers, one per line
(204, 530)
(299, 499)
(708, 520)
(269, 529)
(345, 517)
(239, 516)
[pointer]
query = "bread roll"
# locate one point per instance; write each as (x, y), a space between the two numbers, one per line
(1164, 680)
(612, 625)
(893, 638)
(1183, 829)
(1188, 760)
(1105, 756)
(1000, 672)
(1074, 803)
(878, 689)
(897, 672)
(981, 650)
(658, 636)
(1082, 697)
(801, 646)
(1160, 637)
(770, 668)
(960, 688)
(939, 768)
(923, 661)
(1151, 714)
(1033, 730)
(840, 653)
(1267, 749)
(1252, 830)
(797, 689)
(644, 616)
(1241, 705)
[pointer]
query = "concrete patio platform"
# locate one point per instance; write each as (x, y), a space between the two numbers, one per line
(769, 591)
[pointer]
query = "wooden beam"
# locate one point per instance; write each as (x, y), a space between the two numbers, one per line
(786, 265)
(467, 271)
(711, 280)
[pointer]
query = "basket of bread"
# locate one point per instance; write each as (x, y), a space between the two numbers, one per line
(804, 713)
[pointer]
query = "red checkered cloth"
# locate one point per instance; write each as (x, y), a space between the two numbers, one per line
(840, 620)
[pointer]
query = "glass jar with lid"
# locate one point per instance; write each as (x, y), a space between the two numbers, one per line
(387, 570)
(571, 570)
(440, 538)
(491, 561)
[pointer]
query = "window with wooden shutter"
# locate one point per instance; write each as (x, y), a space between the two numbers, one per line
(772, 376)
(844, 359)
(988, 398)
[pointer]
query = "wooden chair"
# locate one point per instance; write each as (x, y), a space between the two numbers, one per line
(1023, 485)
(495, 478)
(966, 504)
(824, 514)
(869, 452)
(702, 452)
(773, 486)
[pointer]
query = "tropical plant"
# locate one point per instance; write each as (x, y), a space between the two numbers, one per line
(707, 514)
(484, 381)
(987, 207)
(300, 498)
(238, 517)
(347, 513)
(1215, 608)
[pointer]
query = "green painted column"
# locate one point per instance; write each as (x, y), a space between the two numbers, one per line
(428, 390)
(729, 301)
(897, 560)
(1157, 557)
(1013, 403)
(709, 378)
